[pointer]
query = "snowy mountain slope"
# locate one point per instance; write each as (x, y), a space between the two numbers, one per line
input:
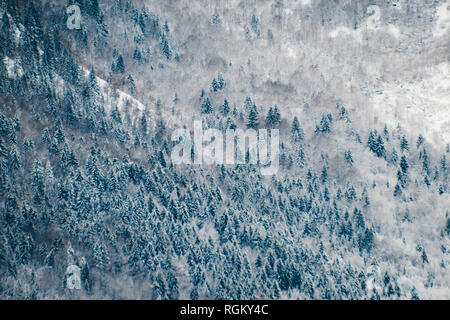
(420, 105)
(358, 209)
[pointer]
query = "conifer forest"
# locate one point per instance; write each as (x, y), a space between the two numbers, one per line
(94, 203)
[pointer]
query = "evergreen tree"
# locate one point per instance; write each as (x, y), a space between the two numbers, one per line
(376, 144)
(269, 118)
(425, 163)
(273, 117)
(6, 36)
(131, 85)
(386, 133)
(164, 45)
(221, 82)
(397, 191)
(444, 164)
(206, 106)
(119, 66)
(143, 124)
(324, 174)
(380, 151)
(247, 104)
(394, 157)
(115, 115)
(404, 164)
(404, 144)
(297, 134)
(101, 256)
(276, 117)
(253, 118)
(94, 90)
(85, 276)
(225, 107)
(420, 140)
(348, 157)
(325, 124)
(38, 183)
(137, 55)
(215, 20)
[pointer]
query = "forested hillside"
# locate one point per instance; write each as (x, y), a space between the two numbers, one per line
(359, 208)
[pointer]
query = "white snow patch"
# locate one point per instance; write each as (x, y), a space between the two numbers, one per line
(125, 98)
(372, 23)
(346, 32)
(17, 35)
(394, 30)
(14, 70)
(208, 232)
(116, 97)
(305, 2)
(443, 20)
(291, 53)
(358, 33)
(422, 106)
(73, 273)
